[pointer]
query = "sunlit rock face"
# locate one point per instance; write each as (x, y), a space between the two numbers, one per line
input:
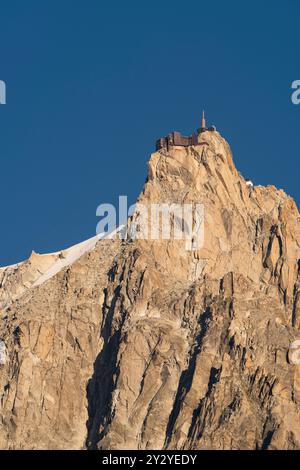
(146, 344)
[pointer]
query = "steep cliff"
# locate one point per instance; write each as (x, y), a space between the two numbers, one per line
(146, 344)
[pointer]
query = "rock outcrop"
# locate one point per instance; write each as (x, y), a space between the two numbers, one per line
(145, 344)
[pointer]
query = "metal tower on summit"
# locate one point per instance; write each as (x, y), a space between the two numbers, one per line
(203, 123)
(177, 139)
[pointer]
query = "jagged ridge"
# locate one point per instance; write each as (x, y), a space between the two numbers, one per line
(143, 344)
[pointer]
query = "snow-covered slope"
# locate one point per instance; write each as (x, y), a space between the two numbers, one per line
(39, 268)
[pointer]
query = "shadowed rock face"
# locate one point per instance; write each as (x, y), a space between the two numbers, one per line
(143, 344)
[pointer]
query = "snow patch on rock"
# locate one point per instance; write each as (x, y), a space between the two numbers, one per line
(68, 257)
(3, 353)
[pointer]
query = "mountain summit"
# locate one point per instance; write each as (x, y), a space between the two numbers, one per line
(143, 344)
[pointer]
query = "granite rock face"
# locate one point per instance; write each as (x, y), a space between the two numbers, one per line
(146, 344)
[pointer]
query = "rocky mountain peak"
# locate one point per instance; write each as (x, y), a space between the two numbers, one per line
(143, 343)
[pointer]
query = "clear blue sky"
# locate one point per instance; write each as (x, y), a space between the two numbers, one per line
(92, 84)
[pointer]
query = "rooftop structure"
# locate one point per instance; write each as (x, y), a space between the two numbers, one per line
(203, 124)
(177, 139)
